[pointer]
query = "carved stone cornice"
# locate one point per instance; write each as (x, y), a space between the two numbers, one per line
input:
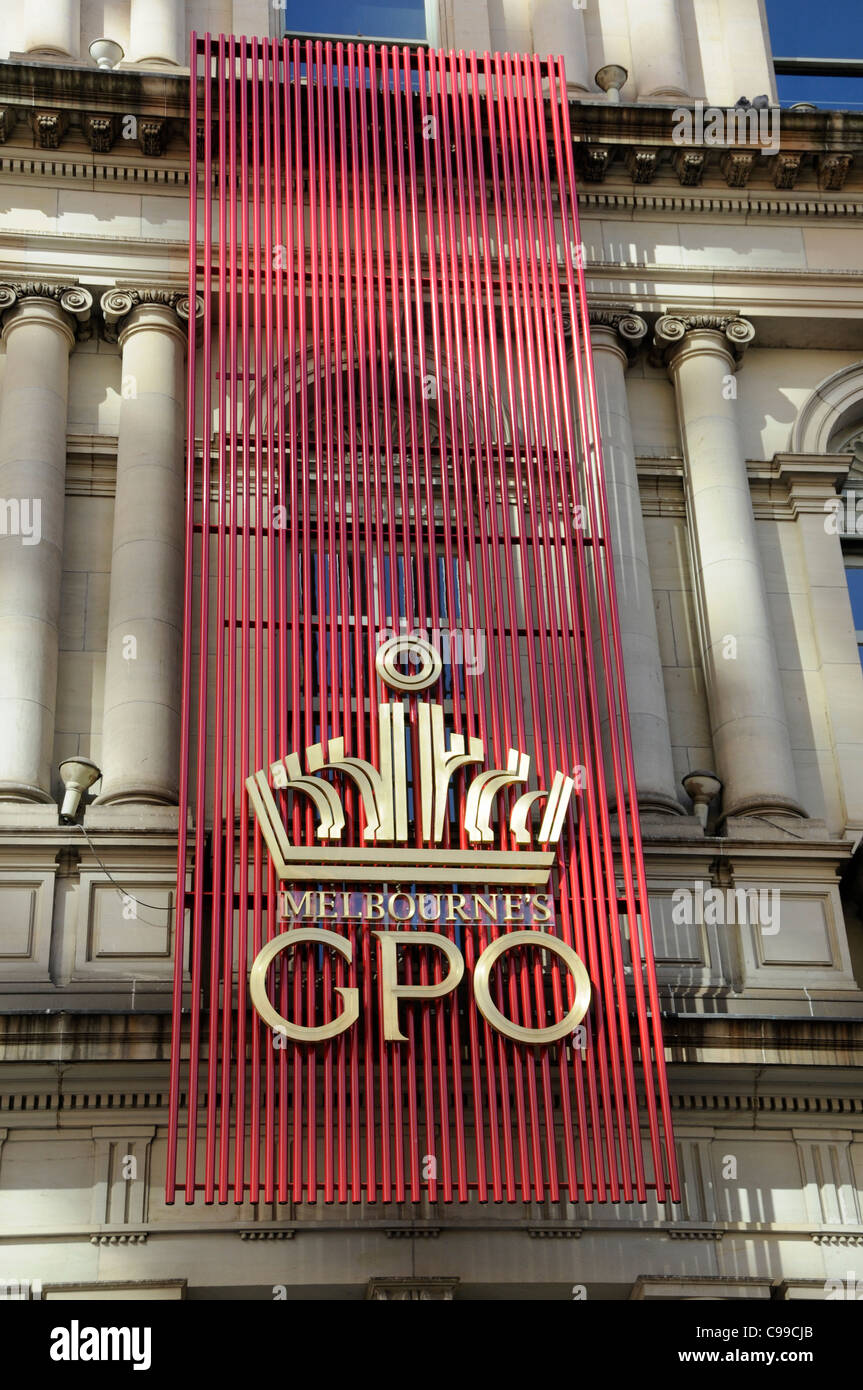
(73, 299)
(614, 202)
(117, 304)
(670, 331)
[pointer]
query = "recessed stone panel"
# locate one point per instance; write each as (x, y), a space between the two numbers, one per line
(803, 937)
(135, 925)
(18, 923)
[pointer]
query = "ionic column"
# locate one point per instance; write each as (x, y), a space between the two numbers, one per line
(53, 26)
(140, 737)
(613, 336)
(656, 40)
(558, 28)
(751, 741)
(157, 32)
(39, 323)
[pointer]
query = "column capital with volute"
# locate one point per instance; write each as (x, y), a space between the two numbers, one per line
(64, 306)
(625, 329)
(674, 334)
(617, 327)
(120, 310)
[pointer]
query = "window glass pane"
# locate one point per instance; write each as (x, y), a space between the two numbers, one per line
(854, 575)
(836, 33)
(370, 19)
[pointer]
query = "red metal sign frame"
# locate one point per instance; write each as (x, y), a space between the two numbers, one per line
(386, 241)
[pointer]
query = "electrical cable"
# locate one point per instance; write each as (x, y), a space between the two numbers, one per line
(124, 894)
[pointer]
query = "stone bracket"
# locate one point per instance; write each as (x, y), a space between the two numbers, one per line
(593, 162)
(267, 1235)
(100, 131)
(152, 134)
(642, 164)
(736, 166)
(48, 127)
(689, 167)
(786, 168)
(833, 170)
(121, 1238)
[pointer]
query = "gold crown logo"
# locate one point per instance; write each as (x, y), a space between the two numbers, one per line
(383, 792)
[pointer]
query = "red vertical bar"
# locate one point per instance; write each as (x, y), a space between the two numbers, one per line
(246, 291)
(219, 704)
(201, 750)
(610, 1098)
(339, 599)
(316, 674)
(376, 597)
(353, 652)
(504, 215)
(475, 482)
(388, 356)
(231, 704)
(256, 503)
(300, 651)
(191, 398)
(327, 598)
(501, 616)
(568, 186)
(425, 508)
(267, 557)
(413, 539)
(278, 536)
(551, 399)
(617, 984)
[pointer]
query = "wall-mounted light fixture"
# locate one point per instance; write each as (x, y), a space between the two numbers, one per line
(610, 79)
(105, 53)
(78, 776)
(701, 787)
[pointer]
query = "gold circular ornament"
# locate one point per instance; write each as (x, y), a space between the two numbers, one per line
(417, 648)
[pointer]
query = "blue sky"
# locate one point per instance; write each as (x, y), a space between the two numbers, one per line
(826, 29)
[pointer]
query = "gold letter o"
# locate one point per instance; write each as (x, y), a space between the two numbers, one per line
(492, 1014)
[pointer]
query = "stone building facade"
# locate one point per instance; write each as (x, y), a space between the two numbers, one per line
(727, 328)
